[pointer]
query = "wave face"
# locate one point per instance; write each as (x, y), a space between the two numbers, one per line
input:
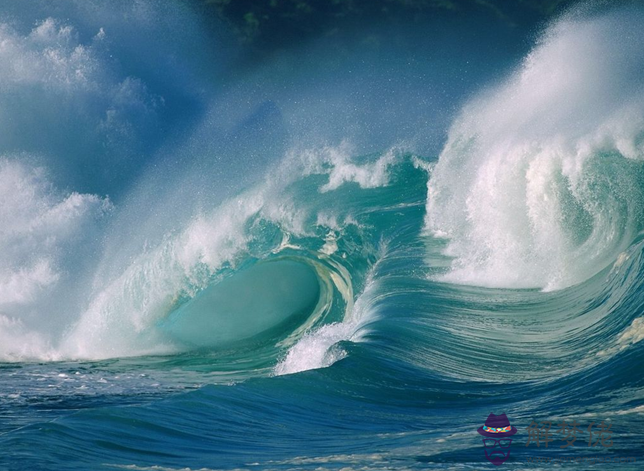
(206, 272)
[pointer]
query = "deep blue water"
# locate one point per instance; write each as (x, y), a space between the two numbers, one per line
(332, 260)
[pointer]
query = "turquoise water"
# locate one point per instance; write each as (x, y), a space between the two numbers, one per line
(197, 277)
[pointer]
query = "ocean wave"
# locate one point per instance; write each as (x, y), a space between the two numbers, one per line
(539, 184)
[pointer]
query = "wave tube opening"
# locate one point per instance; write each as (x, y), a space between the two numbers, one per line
(259, 303)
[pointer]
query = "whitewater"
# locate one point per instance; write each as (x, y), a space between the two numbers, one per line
(273, 269)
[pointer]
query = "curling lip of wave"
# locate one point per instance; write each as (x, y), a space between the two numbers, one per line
(539, 184)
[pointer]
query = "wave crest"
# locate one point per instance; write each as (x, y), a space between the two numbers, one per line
(540, 182)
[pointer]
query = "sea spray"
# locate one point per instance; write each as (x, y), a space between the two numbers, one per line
(540, 182)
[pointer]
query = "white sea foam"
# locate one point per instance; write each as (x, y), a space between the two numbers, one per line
(633, 334)
(36, 223)
(340, 166)
(317, 349)
(38, 226)
(538, 184)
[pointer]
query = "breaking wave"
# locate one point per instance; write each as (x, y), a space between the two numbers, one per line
(540, 182)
